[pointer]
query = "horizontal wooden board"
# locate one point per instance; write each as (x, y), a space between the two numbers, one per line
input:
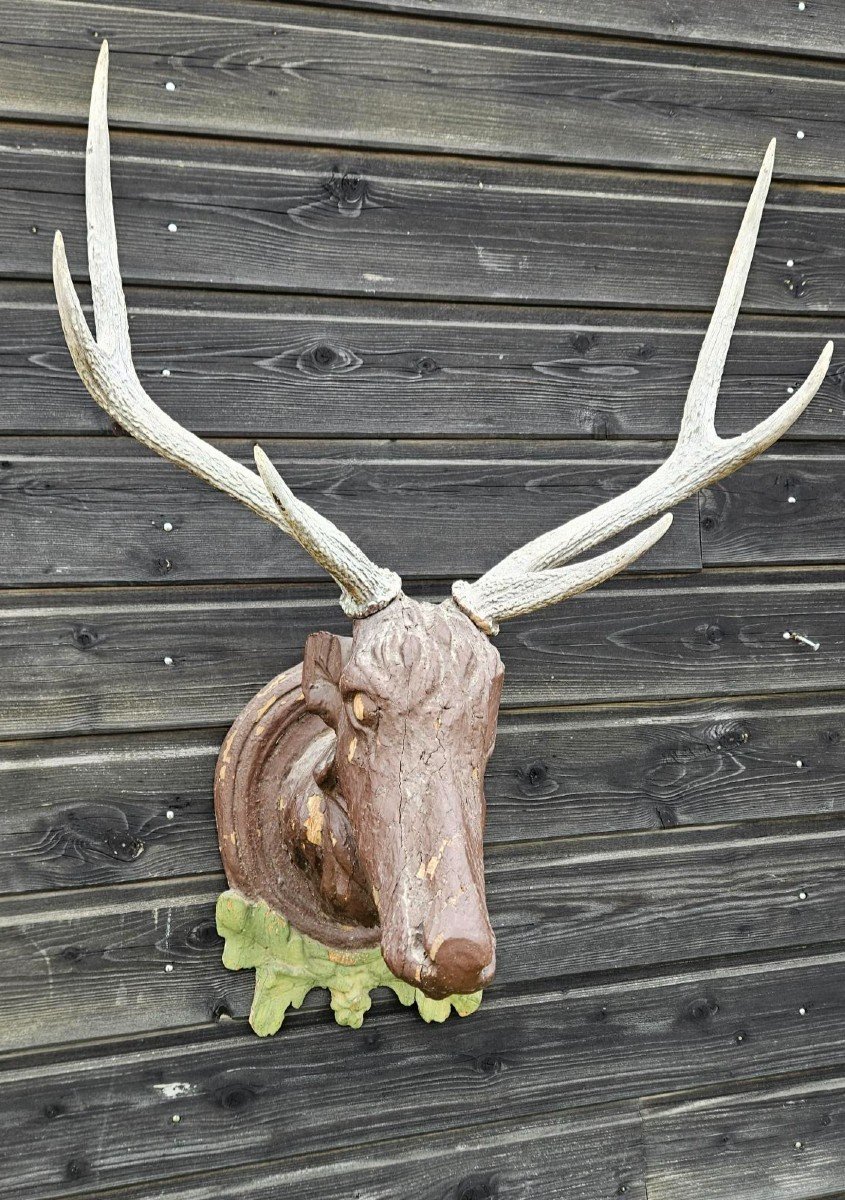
(574, 1156)
(791, 501)
(409, 504)
(356, 79)
(817, 30)
(108, 1118)
(81, 811)
(420, 508)
(348, 222)
(782, 1142)
(93, 660)
(81, 962)
(302, 366)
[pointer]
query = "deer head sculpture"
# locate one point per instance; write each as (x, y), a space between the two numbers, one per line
(349, 793)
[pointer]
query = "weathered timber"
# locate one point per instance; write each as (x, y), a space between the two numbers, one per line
(79, 961)
(107, 1118)
(817, 31)
(95, 660)
(345, 222)
(98, 810)
(796, 499)
(595, 1154)
(785, 1140)
(304, 366)
(411, 505)
(367, 80)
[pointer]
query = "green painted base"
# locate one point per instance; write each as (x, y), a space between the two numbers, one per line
(288, 965)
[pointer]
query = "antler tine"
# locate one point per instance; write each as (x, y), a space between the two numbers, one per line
(362, 580)
(111, 318)
(700, 457)
(512, 595)
(697, 421)
(105, 367)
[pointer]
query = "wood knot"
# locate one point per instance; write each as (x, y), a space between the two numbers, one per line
(582, 342)
(477, 1187)
(327, 358)
(701, 1009)
(204, 936)
(122, 846)
(238, 1096)
(84, 638)
(535, 774)
(77, 1168)
(349, 192)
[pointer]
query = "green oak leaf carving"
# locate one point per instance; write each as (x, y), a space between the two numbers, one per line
(288, 964)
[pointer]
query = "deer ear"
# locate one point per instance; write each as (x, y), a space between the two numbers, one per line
(326, 655)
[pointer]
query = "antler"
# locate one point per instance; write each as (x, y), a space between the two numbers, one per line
(105, 367)
(533, 577)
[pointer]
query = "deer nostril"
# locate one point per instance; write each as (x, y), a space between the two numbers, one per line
(462, 964)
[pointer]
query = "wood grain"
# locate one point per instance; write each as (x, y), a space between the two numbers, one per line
(569, 1156)
(408, 505)
(356, 79)
(352, 223)
(79, 961)
(92, 660)
(97, 809)
(796, 499)
(785, 1141)
(106, 1118)
(817, 30)
(303, 366)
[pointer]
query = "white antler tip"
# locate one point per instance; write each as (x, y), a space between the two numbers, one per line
(273, 481)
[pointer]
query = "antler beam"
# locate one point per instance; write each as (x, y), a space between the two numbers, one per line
(106, 368)
(525, 580)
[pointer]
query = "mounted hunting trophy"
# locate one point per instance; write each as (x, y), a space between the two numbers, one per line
(349, 793)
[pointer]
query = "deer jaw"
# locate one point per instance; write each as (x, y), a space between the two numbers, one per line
(413, 697)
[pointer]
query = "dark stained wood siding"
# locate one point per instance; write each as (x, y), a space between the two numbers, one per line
(451, 260)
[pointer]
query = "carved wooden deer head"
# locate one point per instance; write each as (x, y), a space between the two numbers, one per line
(350, 792)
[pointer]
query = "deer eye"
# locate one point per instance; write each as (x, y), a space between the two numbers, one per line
(364, 709)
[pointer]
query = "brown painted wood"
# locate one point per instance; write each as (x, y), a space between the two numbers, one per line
(303, 366)
(97, 808)
(88, 661)
(817, 31)
(347, 222)
(81, 961)
(106, 1118)
(357, 79)
(785, 1141)
(411, 506)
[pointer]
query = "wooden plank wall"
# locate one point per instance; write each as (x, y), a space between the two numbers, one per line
(451, 260)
